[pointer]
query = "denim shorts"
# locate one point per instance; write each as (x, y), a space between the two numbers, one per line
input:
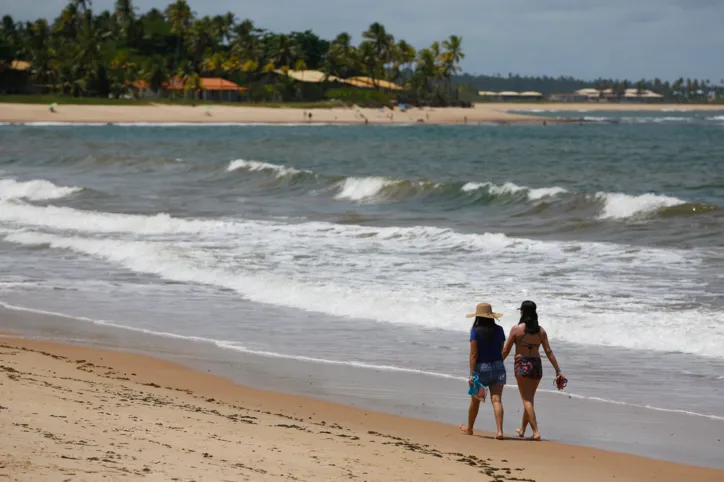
(491, 373)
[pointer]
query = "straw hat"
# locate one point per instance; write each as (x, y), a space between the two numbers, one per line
(484, 310)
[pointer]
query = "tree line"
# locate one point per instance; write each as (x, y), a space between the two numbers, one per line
(678, 90)
(84, 54)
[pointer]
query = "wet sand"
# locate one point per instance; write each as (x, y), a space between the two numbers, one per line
(85, 413)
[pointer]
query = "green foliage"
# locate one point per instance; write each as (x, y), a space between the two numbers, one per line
(68, 100)
(361, 97)
(87, 54)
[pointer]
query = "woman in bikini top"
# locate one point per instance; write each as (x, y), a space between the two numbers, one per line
(522, 343)
(528, 336)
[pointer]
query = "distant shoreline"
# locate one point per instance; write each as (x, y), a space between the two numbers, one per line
(487, 113)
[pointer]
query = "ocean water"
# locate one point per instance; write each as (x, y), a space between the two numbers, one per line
(367, 245)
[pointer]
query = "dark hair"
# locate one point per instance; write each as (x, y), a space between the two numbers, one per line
(529, 316)
(486, 326)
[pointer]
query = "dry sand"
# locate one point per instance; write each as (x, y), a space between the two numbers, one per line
(21, 113)
(76, 414)
(481, 113)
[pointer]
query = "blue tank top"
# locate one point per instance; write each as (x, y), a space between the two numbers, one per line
(489, 350)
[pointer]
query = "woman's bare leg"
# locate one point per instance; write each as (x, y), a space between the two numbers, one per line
(472, 415)
(523, 425)
(496, 395)
(527, 388)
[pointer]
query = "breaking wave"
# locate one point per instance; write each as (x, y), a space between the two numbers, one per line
(256, 166)
(623, 206)
(608, 206)
(417, 275)
(362, 188)
(511, 188)
(35, 190)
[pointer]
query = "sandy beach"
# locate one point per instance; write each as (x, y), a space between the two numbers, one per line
(481, 113)
(21, 113)
(76, 413)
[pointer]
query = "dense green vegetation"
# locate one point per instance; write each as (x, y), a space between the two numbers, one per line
(48, 99)
(83, 54)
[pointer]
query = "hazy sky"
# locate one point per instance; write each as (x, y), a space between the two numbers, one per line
(592, 38)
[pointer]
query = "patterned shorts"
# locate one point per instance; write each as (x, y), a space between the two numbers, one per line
(529, 367)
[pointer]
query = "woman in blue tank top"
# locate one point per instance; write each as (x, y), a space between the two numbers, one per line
(486, 363)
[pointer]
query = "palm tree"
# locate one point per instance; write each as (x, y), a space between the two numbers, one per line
(223, 27)
(84, 4)
(283, 51)
(245, 41)
(125, 15)
(451, 57)
(179, 15)
(427, 68)
(192, 85)
(67, 23)
(123, 71)
(382, 44)
(341, 56)
(367, 59)
(405, 54)
(640, 88)
(215, 63)
(42, 54)
(155, 73)
(232, 65)
(200, 41)
(10, 44)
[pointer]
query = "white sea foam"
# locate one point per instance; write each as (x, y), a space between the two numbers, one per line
(683, 120)
(35, 190)
(418, 275)
(474, 186)
(362, 188)
(543, 192)
(262, 166)
(623, 206)
(512, 188)
(716, 118)
(507, 188)
(69, 219)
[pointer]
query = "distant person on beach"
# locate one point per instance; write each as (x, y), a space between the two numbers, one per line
(528, 336)
(486, 365)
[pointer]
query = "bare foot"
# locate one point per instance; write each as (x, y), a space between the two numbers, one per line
(535, 437)
(465, 430)
(499, 436)
(521, 432)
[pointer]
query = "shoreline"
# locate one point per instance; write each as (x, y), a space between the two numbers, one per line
(493, 113)
(636, 430)
(114, 385)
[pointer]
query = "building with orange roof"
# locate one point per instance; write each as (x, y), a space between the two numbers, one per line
(212, 89)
